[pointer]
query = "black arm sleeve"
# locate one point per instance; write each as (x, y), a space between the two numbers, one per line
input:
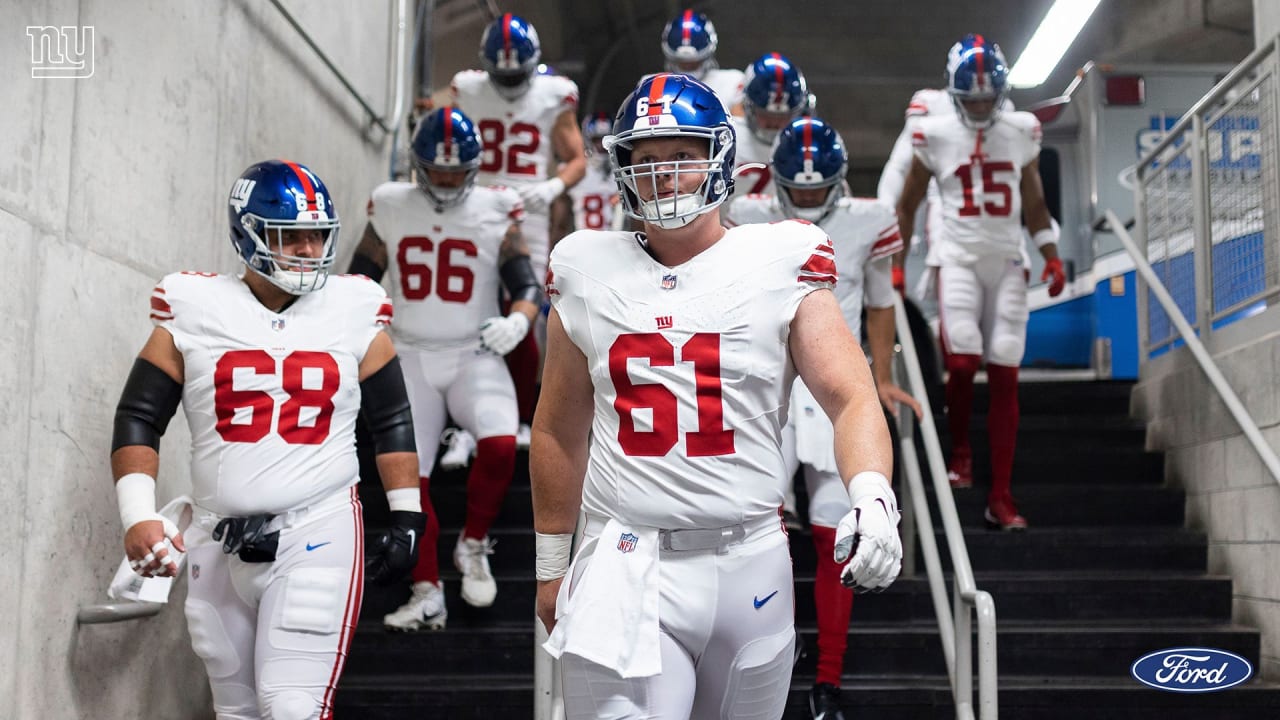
(386, 409)
(362, 265)
(146, 406)
(517, 276)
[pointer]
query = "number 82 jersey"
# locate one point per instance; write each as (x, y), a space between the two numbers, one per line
(690, 366)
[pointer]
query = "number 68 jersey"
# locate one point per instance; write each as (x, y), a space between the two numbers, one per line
(271, 398)
(690, 366)
(979, 174)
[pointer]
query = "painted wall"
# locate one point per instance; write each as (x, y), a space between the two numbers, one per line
(109, 182)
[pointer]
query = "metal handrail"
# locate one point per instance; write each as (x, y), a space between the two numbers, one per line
(395, 115)
(955, 621)
(116, 612)
(1197, 348)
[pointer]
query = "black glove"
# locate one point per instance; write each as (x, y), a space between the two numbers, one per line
(395, 552)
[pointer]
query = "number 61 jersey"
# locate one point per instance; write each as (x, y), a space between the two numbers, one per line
(271, 398)
(690, 366)
(979, 174)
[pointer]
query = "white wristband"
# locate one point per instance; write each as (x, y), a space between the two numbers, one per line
(552, 553)
(1045, 236)
(556, 184)
(405, 499)
(136, 498)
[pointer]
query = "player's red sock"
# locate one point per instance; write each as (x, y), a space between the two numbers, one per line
(1002, 427)
(960, 369)
(487, 484)
(522, 363)
(834, 604)
(428, 567)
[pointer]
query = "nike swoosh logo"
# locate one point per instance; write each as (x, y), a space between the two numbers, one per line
(311, 547)
(760, 603)
(413, 538)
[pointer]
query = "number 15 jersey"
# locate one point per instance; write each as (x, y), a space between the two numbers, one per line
(690, 367)
(979, 174)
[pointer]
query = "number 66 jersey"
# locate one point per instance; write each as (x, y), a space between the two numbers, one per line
(271, 398)
(690, 366)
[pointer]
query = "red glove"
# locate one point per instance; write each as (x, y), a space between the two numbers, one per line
(899, 280)
(1054, 268)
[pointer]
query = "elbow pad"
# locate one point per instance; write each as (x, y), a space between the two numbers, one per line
(517, 276)
(385, 404)
(146, 406)
(363, 265)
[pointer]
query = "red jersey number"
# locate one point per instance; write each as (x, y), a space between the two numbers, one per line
(990, 186)
(703, 352)
(754, 180)
(454, 281)
(593, 207)
(521, 140)
(313, 403)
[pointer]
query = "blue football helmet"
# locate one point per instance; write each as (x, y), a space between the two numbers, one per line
(446, 141)
(774, 93)
(689, 44)
(510, 51)
(595, 127)
(274, 196)
(669, 105)
(809, 155)
(976, 70)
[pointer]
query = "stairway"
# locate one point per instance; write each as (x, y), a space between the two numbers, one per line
(1106, 573)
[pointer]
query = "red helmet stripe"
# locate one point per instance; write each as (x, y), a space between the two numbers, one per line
(978, 46)
(778, 76)
(686, 27)
(306, 184)
(655, 94)
(808, 141)
(448, 130)
(506, 31)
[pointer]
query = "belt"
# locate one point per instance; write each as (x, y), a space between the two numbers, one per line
(208, 519)
(688, 539)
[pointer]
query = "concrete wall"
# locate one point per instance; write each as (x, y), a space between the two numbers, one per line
(1266, 20)
(1230, 495)
(106, 184)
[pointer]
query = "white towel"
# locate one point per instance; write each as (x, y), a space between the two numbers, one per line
(610, 614)
(815, 437)
(129, 585)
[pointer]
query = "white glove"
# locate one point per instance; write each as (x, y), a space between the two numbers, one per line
(537, 197)
(869, 532)
(500, 335)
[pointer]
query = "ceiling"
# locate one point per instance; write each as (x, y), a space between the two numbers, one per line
(863, 58)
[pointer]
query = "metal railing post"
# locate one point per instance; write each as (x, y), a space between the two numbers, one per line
(1200, 225)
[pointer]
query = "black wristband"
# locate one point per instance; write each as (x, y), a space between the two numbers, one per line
(385, 404)
(147, 404)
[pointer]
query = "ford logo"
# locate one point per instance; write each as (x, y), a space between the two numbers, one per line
(1191, 670)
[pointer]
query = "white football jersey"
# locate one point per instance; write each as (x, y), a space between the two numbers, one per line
(594, 197)
(861, 229)
(691, 368)
(515, 134)
(727, 85)
(750, 150)
(443, 265)
(979, 174)
(271, 398)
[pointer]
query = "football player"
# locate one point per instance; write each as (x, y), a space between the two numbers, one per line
(986, 163)
(809, 165)
(272, 368)
(595, 197)
(775, 94)
(674, 350)
(689, 44)
(447, 243)
(528, 127)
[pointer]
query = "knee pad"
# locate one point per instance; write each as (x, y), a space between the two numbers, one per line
(210, 641)
(760, 678)
(958, 364)
(1006, 349)
(963, 336)
(290, 705)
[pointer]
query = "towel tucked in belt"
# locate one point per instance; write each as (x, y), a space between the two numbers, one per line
(815, 437)
(609, 613)
(129, 585)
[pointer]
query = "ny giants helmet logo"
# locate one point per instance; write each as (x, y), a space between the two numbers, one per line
(241, 192)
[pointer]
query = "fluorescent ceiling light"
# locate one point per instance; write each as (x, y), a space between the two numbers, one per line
(1056, 33)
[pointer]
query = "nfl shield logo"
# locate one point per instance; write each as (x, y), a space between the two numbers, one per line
(277, 324)
(627, 542)
(668, 282)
